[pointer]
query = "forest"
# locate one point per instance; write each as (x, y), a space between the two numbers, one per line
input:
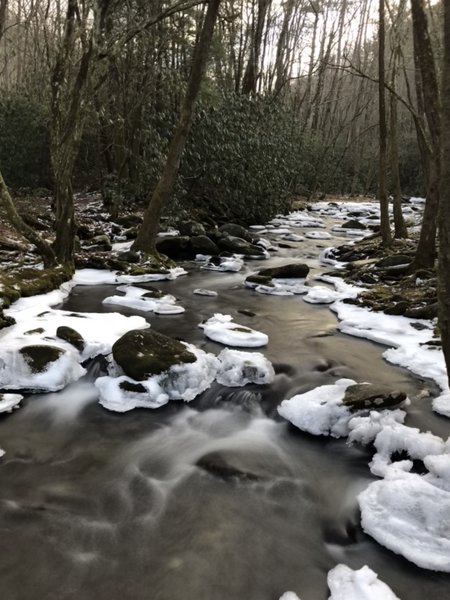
(224, 299)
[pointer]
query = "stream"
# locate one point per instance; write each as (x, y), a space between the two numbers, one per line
(96, 505)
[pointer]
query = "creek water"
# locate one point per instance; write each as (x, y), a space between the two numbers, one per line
(96, 505)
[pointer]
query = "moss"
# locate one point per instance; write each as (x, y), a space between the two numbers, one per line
(71, 336)
(129, 386)
(39, 357)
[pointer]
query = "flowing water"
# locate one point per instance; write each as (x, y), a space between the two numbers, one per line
(215, 500)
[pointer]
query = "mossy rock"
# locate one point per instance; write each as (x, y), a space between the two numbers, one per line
(153, 292)
(71, 336)
(40, 357)
(367, 395)
(290, 271)
(129, 386)
(143, 353)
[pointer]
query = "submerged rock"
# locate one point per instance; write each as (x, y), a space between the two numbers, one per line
(367, 395)
(40, 357)
(143, 353)
(289, 271)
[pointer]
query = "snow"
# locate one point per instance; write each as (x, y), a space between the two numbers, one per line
(321, 295)
(238, 368)
(101, 277)
(9, 401)
(289, 596)
(318, 235)
(363, 584)
(134, 298)
(221, 328)
(280, 287)
(319, 411)
(231, 263)
(181, 382)
(293, 237)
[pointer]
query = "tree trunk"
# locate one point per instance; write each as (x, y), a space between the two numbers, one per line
(44, 249)
(252, 71)
(444, 207)
(427, 80)
(149, 229)
(382, 186)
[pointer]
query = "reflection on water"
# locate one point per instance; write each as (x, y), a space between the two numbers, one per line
(217, 500)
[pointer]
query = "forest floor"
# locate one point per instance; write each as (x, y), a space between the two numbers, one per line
(390, 287)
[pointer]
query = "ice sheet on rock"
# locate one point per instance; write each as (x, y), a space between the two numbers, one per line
(319, 411)
(180, 382)
(9, 401)
(320, 294)
(100, 277)
(134, 298)
(237, 368)
(280, 287)
(16, 374)
(363, 584)
(289, 596)
(232, 263)
(221, 328)
(318, 235)
(204, 292)
(409, 515)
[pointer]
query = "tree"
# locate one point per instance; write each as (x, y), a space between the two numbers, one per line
(444, 206)
(382, 188)
(149, 229)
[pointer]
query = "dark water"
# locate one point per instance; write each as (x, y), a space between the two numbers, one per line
(102, 506)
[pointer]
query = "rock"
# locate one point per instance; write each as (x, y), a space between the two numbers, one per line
(129, 386)
(191, 228)
(174, 247)
(71, 336)
(201, 244)
(429, 311)
(234, 230)
(131, 234)
(100, 242)
(259, 280)
(152, 292)
(368, 278)
(290, 271)
(393, 261)
(130, 220)
(353, 224)
(246, 312)
(238, 245)
(367, 395)
(217, 465)
(32, 331)
(143, 353)
(129, 256)
(397, 308)
(39, 357)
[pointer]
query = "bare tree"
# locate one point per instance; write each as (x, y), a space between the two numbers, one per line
(149, 229)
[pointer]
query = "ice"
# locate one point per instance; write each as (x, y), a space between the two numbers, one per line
(319, 411)
(318, 235)
(181, 382)
(9, 401)
(326, 258)
(204, 292)
(134, 298)
(100, 277)
(169, 233)
(363, 584)
(221, 328)
(232, 263)
(281, 287)
(321, 295)
(293, 237)
(238, 368)
(290, 596)
(410, 516)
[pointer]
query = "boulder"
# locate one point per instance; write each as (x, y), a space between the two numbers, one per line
(290, 271)
(368, 395)
(259, 280)
(201, 244)
(191, 228)
(131, 220)
(353, 224)
(100, 242)
(238, 245)
(235, 230)
(393, 261)
(429, 311)
(174, 247)
(143, 353)
(71, 336)
(39, 357)
(129, 256)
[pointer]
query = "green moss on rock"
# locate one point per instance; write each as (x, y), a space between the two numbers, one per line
(40, 357)
(143, 353)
